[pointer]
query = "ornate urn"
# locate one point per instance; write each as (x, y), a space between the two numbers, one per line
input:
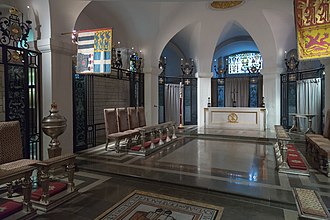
(53, 126)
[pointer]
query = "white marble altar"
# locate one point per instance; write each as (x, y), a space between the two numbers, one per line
(235, 118)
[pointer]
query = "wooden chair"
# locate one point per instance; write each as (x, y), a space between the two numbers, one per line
(111, 129)
(141, 115)
(133, 118)
(11, 150)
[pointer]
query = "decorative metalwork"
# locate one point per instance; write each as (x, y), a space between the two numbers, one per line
(87, 128)
(221, 96)
(253, 95)
(22, 95)
(232, 118)
(225, 4)
(162, 63)
(53, 126)
(221, 70)
(291, 63)
(14, 30)
(187, 67)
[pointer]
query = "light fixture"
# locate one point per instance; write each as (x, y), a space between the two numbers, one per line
(14, 30)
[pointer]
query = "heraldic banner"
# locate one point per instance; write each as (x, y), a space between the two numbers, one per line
(94, 51)
(313, 28)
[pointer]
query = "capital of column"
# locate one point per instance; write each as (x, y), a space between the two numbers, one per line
(57, 45)
(272, 70)
(204, 74)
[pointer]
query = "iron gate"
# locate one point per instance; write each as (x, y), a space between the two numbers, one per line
(22, 83)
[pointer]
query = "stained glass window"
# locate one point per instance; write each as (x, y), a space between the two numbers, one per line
(250, 62)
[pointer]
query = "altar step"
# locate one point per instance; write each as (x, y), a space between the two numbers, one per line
(228, 134)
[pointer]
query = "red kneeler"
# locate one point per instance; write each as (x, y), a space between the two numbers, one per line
(54, 188)
(294, 159)
(9, 207)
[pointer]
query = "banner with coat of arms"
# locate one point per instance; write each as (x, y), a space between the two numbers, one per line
(313, 28)
(94, 51)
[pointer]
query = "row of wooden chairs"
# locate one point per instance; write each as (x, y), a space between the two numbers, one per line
(125, 126)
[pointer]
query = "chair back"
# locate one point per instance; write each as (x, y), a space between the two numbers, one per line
(122, 119)
(326, 129)
(11, 148)
(142, 117)
(133, 118)
(110, 120)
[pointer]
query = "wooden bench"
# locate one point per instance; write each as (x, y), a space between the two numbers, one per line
(318, 147)
(281, 151)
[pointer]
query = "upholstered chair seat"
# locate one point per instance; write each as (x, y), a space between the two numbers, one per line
(11, 148)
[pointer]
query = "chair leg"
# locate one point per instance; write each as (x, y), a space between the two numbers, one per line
(106, 144)
(10, 189)
(70, 170)
(45, 186)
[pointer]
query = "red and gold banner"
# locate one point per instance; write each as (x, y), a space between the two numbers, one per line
(313, 28)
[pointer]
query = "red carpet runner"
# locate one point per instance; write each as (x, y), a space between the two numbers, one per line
(294, 159)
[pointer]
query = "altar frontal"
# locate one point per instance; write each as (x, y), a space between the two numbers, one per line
(235, 118)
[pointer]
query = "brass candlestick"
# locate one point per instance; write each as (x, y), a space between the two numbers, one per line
(53, 126)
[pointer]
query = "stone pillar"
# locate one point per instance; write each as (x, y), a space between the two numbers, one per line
(151, 97)
(57, 85)
(326, 63)
(203, 92)
(272, 94)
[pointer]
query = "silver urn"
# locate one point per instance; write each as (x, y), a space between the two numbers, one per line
(53, 126)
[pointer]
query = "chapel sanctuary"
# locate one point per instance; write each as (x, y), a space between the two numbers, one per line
(165, 110)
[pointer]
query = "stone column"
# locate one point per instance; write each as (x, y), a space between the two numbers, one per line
(57, 85)
(203, 92)
(272, 94)
(151, 96)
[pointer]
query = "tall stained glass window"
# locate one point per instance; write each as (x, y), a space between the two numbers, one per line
(250, 62)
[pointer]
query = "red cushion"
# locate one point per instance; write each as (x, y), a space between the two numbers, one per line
(136, 148)
(9, 207)
(297, 164)
(156, 140)
(54, 188)
(147, 144)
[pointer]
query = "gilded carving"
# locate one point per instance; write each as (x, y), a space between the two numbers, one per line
(233, 118)
(225, 4)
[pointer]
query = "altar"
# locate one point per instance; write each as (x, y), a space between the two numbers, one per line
(235, 118)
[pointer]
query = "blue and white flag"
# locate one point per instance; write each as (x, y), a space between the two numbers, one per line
(94, 51)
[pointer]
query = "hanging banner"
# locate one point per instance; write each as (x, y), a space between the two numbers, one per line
(313, 28)
(94, 51)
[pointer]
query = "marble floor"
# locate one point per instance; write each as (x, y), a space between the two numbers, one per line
(233, 169)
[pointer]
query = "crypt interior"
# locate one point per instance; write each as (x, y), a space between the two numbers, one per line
(204, 101)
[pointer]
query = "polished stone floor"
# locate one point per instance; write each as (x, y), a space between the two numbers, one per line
(233, 169)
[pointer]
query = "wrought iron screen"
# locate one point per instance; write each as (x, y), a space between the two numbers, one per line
(94, 92)
(22, 80)
(189, 98)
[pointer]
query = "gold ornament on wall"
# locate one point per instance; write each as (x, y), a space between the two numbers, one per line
(225, 4)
